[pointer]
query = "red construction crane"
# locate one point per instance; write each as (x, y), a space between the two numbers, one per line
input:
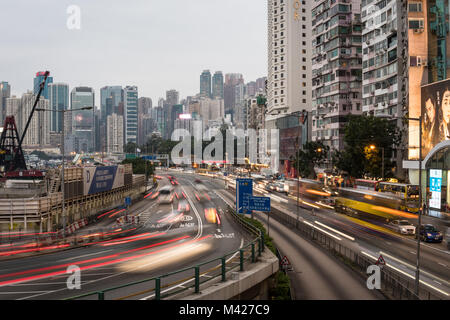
(12, 160)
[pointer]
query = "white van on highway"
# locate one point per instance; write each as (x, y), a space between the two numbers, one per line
(166, 195)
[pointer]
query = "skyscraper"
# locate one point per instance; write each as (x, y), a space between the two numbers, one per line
(172, 97)
(289, 56)
(205, 83)
(83, 128)
(38, 133)
(229, 91)
(217, 85)
(13, 108)
(37, 82)
(144, 108)
(110, 98)
(59, 101)
(131, 114)
(5, 93)
(337, 69)
(114, 133)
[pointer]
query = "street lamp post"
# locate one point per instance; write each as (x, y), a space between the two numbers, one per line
(373, 147)
(62, 112)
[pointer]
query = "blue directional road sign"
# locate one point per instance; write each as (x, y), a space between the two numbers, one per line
(127, 201)
(244, 190)
(261, 204)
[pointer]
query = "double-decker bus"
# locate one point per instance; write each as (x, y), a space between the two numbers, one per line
(371, 205)
(407, 192)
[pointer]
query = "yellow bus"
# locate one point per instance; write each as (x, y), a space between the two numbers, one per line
(371, 205)
(408, 192)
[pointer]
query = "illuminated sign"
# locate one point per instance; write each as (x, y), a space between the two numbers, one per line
(296, 9)
(435, 188)
(436, 115)
(186, 116)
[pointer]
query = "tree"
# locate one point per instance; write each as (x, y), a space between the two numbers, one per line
(314, 153)
(139, 166)
(358, 158)
(130, 147)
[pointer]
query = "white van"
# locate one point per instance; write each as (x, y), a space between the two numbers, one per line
(165, 195)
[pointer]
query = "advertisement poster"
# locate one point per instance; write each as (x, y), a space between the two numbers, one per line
(435, 188)
(436, 115)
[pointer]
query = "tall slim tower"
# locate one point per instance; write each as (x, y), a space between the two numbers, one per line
(289, 56)
(131, 114)
(5, 93)
(205, 83)
(83, 128)
(217, 85)
(59, 101)
(38, 80)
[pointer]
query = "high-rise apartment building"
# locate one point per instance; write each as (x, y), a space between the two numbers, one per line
(205, 84)
(385, 62)
(131, 114)
(59, 101)
(289, 56)
(37, 83)
(217, 85)
(337, 68)
(83, 126)
(114, 129)
(38, 133)
(13, 108)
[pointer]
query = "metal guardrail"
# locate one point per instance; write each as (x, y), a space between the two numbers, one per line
(393, 284)
(192, 278)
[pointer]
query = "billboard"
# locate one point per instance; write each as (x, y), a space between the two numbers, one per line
(102, 179)
(436, 115)
(435, 188)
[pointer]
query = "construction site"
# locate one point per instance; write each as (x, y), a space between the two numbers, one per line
(50, 200)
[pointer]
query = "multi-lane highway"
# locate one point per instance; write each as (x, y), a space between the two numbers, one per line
(399, 251)
(168, 241)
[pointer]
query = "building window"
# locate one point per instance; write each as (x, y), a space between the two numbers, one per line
(415, 7)
(415, 23)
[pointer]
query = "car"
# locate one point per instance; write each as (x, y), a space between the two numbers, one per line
(212, 216)
(173, 218)
(166, 195)
(281, 187)
(183, 206)
(403, 227)
(429, 233)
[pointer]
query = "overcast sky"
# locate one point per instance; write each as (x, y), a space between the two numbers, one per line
(156, 45)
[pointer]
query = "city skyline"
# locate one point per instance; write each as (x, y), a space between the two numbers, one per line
(162, 57)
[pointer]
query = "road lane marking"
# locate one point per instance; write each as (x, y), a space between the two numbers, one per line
(326, 232)
(411, 266)
(336, 231)
(407, 274)
(85, 255)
